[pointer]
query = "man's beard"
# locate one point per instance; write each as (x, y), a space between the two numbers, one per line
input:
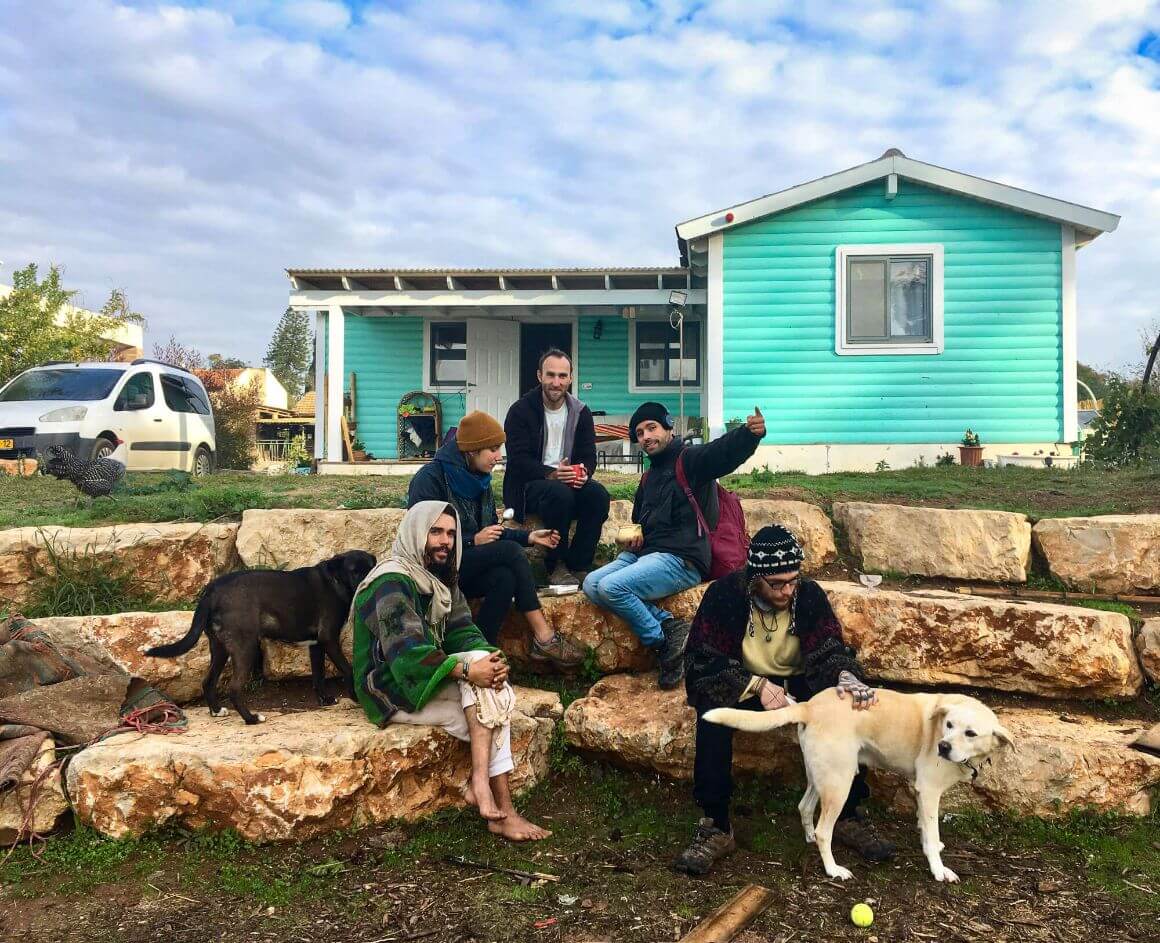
(445, 572)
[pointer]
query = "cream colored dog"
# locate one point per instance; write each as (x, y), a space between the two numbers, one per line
(935, 740)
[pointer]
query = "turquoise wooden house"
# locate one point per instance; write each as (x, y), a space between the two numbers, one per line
(874, 315)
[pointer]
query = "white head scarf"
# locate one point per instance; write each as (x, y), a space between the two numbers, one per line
(407, 558)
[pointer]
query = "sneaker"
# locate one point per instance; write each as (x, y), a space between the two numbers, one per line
(562, 576)
(671, 655)
(709, 845)
(557, 650)
(858, 834)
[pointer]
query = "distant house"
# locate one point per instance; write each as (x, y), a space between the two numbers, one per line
(270, 391)
(874, 314)
(128, 337)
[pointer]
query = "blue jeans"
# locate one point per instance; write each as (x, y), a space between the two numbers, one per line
(628, 584)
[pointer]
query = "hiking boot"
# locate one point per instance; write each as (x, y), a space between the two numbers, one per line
(562, 576)
(709, 845)
(557, 650)
(858, 834)
(671, 654)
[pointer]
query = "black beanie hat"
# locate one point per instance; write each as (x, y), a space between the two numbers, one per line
(646, 411)
(773, 549)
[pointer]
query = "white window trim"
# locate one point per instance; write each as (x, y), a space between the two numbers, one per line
(428, 386)
(845, 348)
(634, 387)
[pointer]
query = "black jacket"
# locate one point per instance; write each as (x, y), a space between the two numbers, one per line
(524, 426)
(662, 508)
(430, 484)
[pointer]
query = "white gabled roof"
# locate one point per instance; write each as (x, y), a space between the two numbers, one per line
(1088, 222)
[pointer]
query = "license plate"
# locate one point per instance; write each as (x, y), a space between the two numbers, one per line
(7, 444)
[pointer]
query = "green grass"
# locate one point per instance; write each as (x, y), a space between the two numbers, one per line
(1108, 605)
(174, 496)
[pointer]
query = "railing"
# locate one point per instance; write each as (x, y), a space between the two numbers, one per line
(272, 450)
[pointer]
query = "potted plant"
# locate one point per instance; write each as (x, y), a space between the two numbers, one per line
(358, 451)
(734, 423)
(971, 450)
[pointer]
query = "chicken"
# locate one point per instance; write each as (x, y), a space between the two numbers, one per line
(97, 478)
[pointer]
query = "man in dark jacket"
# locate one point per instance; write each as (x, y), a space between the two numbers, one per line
(761, 636)
(670, 553)
(551, 457)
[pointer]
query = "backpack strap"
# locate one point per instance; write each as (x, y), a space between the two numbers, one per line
(683, 483)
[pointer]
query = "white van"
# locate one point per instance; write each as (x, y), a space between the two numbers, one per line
(161, 412)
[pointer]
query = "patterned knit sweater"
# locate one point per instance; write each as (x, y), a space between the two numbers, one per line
(715, 675)
(399, 663)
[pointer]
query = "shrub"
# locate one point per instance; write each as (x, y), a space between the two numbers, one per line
(1127, 430)
(945, 460)
(234, 411)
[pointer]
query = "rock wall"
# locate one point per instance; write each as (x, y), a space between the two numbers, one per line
(1117, 553)
(291, 538)
(1148, 648)
(973, 545)
(1061, 762)
(174, 561)
(294, 777)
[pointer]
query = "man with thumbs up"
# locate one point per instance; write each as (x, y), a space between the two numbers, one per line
(670, 552)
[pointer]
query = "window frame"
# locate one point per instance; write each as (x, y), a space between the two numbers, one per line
(692, 385)
(847, 347)
(430, 384)
(178, 383)
(120, 404)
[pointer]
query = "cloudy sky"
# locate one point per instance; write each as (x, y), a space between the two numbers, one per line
(190, 152)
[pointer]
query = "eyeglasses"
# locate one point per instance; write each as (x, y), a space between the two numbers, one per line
(784, 584)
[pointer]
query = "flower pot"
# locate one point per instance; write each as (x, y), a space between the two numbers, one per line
(971, 456)
(358, 455)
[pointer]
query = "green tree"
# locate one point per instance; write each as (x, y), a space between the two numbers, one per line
(218, 362)
(38, 323)
(290, 350)
(1096, 379)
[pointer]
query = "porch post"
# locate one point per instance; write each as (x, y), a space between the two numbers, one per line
(1070, 353)
(715, 336)
(334, 366)
(319, 382)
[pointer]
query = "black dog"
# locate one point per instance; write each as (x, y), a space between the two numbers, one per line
(305, 606)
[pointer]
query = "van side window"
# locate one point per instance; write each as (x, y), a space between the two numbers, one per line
(177, 397)
(197, 397)
(137, 393)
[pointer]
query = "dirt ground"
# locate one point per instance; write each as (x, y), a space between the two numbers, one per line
(615, 835)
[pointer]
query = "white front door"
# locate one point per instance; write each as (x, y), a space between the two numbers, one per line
(493, 365)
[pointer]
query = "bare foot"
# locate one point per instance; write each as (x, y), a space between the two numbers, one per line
(484, 801)
(516, 828)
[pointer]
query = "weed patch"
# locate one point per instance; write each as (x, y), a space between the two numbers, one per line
(86, 583)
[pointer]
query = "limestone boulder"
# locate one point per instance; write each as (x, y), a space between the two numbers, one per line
(1115, 553)
(293, 777)
(806, 521)
(614, 645)
(49, 805)
(18, 467)
(289, 538)
(120, 641)
(173, 561)
(958, 544)
(931, 637)
(1148, 648)
(1061, 762)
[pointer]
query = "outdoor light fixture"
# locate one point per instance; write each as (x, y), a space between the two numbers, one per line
(728, 217)
(597, 329)
(677, 297)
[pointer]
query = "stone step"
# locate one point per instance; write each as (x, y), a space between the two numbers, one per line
(293, 777)
(919, 637)
(288, 538)
(1061, 761)
(993, 546)
(1112, 553)
(1148, 648)
(174, 561)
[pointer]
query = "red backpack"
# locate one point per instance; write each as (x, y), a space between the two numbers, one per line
(729, 542)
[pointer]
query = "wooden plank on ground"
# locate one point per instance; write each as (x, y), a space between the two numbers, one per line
(732, 917)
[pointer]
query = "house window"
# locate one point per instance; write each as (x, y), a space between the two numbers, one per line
(448, 364)
(657, 354)
(889, 299)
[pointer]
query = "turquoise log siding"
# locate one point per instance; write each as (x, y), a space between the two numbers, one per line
(386, 357)
(605, 363)
(1001, 372)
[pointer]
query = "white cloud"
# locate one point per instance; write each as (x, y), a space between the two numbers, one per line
(191, 154)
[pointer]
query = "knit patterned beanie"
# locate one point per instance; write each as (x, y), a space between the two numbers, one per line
(774, 549)
(477, 431)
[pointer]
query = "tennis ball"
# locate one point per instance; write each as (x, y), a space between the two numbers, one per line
(861, 915)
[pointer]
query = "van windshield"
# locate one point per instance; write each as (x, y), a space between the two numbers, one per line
(62, 384)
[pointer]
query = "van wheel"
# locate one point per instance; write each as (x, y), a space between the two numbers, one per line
(202, 462)
(103, 448)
